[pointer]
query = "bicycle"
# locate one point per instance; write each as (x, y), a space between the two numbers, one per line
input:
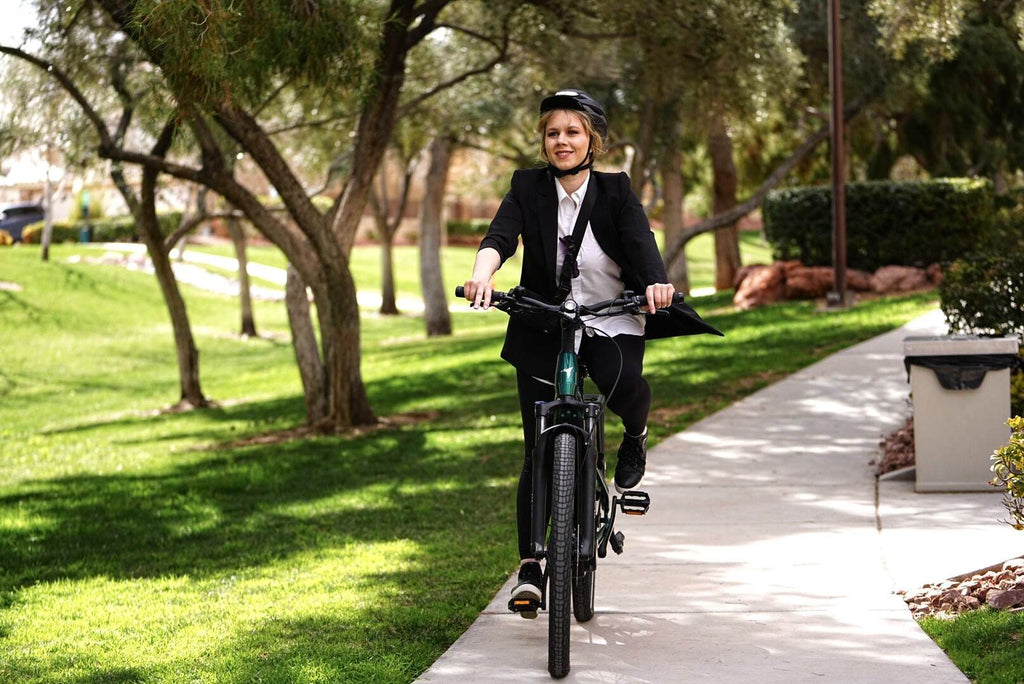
(569, 475)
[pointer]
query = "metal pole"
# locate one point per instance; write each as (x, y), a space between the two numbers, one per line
(835, 78)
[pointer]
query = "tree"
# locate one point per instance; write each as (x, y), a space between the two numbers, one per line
(249, 58)
(969, 121)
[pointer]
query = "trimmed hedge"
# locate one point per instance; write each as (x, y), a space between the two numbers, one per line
(112, 229)
(467, 227)
(909, 224)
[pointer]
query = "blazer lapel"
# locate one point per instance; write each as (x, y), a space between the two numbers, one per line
(547, 216)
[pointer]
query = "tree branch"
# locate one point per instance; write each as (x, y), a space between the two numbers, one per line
(427, 11)
(726, 218)
(68, 85)
(502, 52)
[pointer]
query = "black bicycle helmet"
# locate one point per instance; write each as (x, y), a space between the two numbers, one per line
(575, 99)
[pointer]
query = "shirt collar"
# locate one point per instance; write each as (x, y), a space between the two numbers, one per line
(577, 197)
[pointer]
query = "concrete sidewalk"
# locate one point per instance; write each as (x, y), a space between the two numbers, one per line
(769, 554)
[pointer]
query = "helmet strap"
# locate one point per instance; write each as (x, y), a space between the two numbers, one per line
(585, 164)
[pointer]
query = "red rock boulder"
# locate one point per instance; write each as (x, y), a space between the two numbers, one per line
(898, 279)
(762, 285)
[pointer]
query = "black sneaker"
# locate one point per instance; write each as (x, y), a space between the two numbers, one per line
(632, 461)
(531, 579)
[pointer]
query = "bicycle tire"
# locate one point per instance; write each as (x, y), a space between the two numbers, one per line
(560, 554)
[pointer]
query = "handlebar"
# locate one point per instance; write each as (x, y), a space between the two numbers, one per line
(629, 302)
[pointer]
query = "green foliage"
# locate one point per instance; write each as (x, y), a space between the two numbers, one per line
(467, 228)
(887, 223)
(63, 231)
(984, 293)
(971, 118)
(1008, 466)
(210, 50)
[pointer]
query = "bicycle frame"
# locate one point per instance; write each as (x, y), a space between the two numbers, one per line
(571, 410)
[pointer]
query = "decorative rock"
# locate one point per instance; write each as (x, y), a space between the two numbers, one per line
(762, 286)
(1014, 564)
(898, 279)
(1004, 599)
(808, 282)
(858, 281)
(744, 272)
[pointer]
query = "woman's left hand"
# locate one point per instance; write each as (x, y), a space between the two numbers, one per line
(659, 296)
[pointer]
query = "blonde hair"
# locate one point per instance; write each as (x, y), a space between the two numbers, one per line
(596, 141)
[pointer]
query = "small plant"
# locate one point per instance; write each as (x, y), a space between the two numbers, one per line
(1008, 466)
(5, 238)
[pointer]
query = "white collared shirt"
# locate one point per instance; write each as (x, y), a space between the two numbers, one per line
(600, 277)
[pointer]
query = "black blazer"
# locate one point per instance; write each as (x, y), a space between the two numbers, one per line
(620, 226)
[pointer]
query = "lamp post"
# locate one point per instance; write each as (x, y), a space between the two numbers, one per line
(837, 298)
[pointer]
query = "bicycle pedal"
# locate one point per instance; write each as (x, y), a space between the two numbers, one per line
(634, 502)
(527, 607)
(616, 540)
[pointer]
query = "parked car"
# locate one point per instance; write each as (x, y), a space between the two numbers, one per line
(14, 217)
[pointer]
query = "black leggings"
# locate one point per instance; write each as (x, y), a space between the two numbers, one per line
(631, 401)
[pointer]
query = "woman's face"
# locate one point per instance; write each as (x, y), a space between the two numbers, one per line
(565, 140)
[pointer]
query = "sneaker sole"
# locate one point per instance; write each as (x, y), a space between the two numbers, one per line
(527, 591)
(623, 490)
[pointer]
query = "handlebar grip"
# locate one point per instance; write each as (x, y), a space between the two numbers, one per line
(460, 291)
(678, 298)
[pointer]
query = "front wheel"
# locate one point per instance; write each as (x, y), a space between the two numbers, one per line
(560, 556)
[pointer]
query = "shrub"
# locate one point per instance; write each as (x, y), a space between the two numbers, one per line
(1008, 467)
(910, 224)
(63, 231)
(467, 228)
(5, 238)
(113, 229)
(984, 293)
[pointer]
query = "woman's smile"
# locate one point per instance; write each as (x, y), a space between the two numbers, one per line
(566, 140)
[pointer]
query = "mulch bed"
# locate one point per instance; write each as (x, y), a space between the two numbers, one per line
(1001, 587)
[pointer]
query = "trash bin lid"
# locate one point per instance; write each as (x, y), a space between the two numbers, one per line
(956, 345)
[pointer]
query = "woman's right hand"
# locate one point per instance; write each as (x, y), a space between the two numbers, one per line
(478, 291)
(479, 288)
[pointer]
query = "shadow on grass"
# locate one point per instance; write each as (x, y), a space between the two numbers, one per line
(243, 507)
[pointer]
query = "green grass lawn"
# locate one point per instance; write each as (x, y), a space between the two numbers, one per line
(138, 545)
(457, 263)
(987, 645)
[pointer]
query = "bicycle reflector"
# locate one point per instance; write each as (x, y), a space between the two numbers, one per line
(634, 503)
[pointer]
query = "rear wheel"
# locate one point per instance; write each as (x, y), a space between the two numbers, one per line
(560, 556)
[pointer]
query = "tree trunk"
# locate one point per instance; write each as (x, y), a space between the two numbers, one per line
(245, 297)
(642, 147)
(388, 305)
(338, 311)
(48, 214)
(435, 300)
(188, 354)
(311, 369)
(673, 196)
(727, 240)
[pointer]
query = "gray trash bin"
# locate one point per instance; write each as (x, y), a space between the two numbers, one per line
(960, 388)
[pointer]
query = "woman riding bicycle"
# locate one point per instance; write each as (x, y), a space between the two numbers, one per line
(616, 252)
